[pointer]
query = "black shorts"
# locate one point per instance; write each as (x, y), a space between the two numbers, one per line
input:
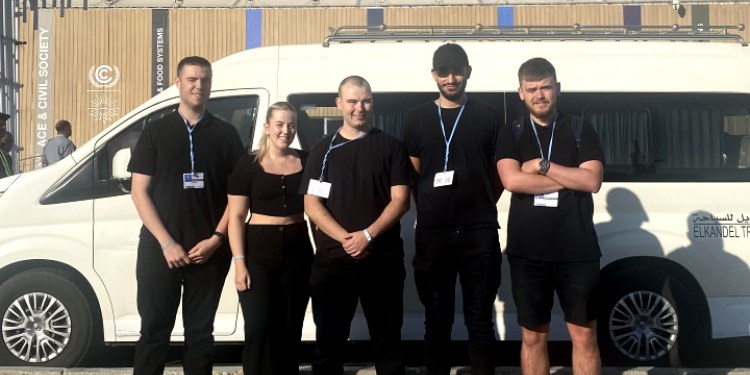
(535, 282)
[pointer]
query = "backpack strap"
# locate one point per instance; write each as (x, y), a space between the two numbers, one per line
(517, 127)
(576, 124)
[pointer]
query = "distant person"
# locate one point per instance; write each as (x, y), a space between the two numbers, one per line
(4, 117)
(3, 123)
(59, 147)
(6, 161)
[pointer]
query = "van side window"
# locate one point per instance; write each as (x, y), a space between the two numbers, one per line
(240, 111)
(625, 133)
(664, 137)
(318, 117)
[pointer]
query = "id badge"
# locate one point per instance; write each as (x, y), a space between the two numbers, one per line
(443, 179)
(319, 188)
(192, 180)
(546, 200)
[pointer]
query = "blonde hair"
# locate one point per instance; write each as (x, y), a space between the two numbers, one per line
(265, 140)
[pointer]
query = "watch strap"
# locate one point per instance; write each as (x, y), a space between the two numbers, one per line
(221, 236)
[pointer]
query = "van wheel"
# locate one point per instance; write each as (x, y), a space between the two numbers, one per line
(647, 317)
(46, 320)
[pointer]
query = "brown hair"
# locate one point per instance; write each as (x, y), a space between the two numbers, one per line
(535, 70)
(192, 60)
(264, 142)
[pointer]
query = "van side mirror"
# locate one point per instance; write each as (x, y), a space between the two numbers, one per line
(120, 164)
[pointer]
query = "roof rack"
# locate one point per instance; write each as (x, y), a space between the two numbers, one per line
(349, 34)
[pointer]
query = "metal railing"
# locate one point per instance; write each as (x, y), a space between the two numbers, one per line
(349, 34)
(29, 164)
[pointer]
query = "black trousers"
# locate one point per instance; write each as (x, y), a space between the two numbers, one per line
(159, 290)
(335, 292)
(476, 258)
(278, 259)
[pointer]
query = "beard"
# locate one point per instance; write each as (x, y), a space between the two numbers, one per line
(453, 96)
(541, 113)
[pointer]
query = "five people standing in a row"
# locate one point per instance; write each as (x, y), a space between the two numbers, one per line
(194, 188)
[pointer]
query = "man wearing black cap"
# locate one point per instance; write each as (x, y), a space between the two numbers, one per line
(451, 143)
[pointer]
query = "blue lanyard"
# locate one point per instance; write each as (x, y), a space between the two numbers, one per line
(442, 128)
(332, 147)
(190, 137)
(552, 138)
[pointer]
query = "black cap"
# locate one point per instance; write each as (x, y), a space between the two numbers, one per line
(4, 116)
(449, 55)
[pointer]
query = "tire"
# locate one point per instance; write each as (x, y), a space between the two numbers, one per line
(648, 305)
(46, 320)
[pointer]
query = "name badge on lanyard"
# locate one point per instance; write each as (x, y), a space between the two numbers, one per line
(549, 199)
(546, 200)
(445, 178)
(192, 180)
(320, 188)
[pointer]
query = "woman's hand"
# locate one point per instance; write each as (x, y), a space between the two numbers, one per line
(241, 277)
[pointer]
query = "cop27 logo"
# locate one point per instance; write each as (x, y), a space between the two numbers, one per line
(104, 76)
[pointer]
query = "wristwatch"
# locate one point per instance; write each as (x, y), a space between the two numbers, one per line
(221, 236)
(543, 167)
(367, 234)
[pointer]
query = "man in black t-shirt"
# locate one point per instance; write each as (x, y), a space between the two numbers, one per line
(552, 163)
(356, 183)
(452, 142)
(181, 165)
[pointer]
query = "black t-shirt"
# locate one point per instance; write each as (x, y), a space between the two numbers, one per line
(557, 234)
(163, 152)
(270, 194)
(469, 203)
(361, 174)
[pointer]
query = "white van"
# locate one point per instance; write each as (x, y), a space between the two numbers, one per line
(673, 214)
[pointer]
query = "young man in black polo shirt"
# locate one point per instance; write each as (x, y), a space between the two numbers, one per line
(180, 168)
(552, 163)
(451, 142)
(357, 188)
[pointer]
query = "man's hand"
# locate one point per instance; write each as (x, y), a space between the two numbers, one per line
(204, 249)
(356, 244)
(531, 166)
(176, 256)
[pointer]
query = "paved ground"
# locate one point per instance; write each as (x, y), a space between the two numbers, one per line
(352, 370)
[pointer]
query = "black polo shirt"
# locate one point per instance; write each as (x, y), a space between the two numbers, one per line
(361, 174)
(557, 234)
(163, 152)
(469, 203)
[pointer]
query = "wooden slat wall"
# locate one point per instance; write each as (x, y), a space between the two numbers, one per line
(27, 94)
(122, 37)
(84, 39)
(730, 15)
(442, 16)
(559, 15)
(664, 15)
(209, 33)
(305, 26)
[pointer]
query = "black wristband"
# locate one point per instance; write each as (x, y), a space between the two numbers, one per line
(221, 236)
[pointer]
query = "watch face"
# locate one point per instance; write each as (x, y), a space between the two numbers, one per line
(544, 166)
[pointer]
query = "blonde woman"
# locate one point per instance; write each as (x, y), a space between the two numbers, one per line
(272, 254)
